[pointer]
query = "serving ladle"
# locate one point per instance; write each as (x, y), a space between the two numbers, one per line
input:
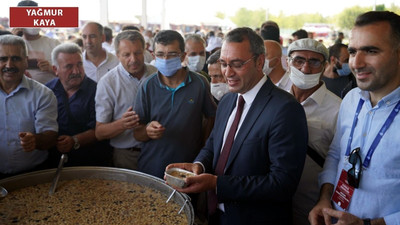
(64, 159)
(3, 192)
(169, 198)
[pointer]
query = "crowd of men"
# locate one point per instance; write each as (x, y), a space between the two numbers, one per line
(303, 138)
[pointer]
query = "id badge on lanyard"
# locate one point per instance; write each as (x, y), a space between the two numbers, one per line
(344, 191)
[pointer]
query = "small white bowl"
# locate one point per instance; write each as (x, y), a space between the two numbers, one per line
(175, 177)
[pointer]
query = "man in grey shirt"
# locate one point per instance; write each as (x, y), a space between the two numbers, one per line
(115, 96)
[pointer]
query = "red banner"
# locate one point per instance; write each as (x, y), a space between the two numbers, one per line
(44, 17)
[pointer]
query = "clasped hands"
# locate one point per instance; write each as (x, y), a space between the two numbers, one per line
(129, 119)
(322, 214)
(27, 140)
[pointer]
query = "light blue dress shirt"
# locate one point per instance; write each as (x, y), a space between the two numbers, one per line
(379, 192)
(116, 92)
(31, 107)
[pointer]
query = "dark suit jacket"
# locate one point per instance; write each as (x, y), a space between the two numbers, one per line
(266, 159)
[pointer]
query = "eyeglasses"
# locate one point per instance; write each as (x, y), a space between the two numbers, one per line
(300, 61)
(354, 174)
(236, 64)
(168, 55)
(216, 76)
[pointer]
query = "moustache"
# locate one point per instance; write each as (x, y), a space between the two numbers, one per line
(73, 76)
(134, 64)
(362, 70)
(10, 70)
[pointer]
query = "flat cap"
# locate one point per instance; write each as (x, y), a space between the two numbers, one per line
(308, 44)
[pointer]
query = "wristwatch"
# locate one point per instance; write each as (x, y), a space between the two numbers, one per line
(76, 144)
(367, 221)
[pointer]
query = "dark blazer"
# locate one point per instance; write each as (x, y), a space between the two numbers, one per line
(266, 159)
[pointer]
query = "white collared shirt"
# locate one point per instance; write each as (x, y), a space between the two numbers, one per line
(321, 109)
(95, 73)
(116, 92)
(248, 98)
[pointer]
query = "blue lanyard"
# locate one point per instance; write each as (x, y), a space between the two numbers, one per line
(355, 120)
(378, 137)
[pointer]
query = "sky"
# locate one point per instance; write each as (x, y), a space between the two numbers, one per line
(125, 10)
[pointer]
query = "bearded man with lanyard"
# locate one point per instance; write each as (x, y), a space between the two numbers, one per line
(360, 182)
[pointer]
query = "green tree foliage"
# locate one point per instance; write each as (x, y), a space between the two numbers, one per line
(220, 15)
(249, 18)
(345, 19)
(297, 21)
(394, 8)
(380, 8)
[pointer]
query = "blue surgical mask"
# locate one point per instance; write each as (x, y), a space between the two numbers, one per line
(168, 67)
(345, 70)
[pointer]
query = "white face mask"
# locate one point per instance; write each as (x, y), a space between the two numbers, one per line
(196, 63)
(267, 69)
(32, 31)
(219, 89)
(303, 81)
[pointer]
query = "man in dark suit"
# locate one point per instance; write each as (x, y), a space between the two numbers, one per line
(251, 182)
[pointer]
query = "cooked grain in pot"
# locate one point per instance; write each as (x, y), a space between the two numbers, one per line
(181, 175)
(89, 201)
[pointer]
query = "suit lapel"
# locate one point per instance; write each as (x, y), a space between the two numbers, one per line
(257, 107)
(226, 111)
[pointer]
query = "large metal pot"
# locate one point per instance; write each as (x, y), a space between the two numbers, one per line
(107, 173)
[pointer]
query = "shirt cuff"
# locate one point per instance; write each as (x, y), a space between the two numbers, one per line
(201, 164)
